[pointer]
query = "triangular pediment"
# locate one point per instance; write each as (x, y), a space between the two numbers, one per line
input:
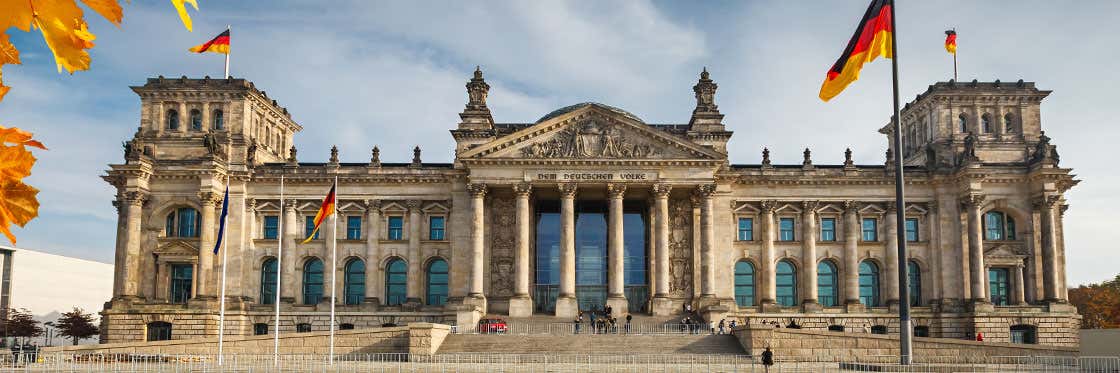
(591, 132)
(176, 248)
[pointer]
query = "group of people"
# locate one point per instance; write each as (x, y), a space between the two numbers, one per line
(26, 353)
(602, 321)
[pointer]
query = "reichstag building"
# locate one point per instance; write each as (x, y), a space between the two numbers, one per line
(590, 206)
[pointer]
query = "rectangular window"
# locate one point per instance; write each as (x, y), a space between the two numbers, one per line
(828, 229)
(746, 229)
(911, 230)
(999, 285)
(870, 229)
(309, 227)
(785, 229)
(396, 227)
(271, 227)
(435, 228)
(353, 227)
(182, 276)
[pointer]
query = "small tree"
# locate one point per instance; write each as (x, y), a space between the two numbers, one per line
(76, 324)
(21, 323)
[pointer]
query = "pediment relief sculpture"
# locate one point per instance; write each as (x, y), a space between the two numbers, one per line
(592, 139)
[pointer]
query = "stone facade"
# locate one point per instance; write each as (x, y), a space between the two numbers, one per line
(970, 149)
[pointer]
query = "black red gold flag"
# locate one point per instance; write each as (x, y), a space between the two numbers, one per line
(951, 41)
(325, 210)
(219, 44)
(871, 40)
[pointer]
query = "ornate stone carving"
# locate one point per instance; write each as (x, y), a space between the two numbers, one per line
(808, 158)
(972, 200)
(413, 204)
(251, 153)
(1046, 201)
(523, 189)
(372, 204)
(568, 189)
(766, 157)
(476, 190)
(592, 139)
(135, 197)
(705, 190)
(680, 248)
(616, 190)
(662, 189)
(502, 244)
(848, 163)
(416, 157)
(375, 157)
(292, 155)
(768, 206)
(809, 207)
(851, 207)
(334, 154)
(210, 198)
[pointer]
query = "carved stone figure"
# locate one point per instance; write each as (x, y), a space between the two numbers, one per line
(251, 153)
(210, 142)
(680, 247)
(591, 139)
(502, 241)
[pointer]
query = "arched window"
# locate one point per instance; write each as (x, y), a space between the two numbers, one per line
(303, 328)
(183, 222)
(437, 282)
(828, 287)
(159, 331)
(962, 124)
(268, 281)
(915, 274)
(1008, 123)
(172, 119)
(785, 281)
(217, 119)
(744, 283)
(313, 281)
(396, 282)
(196, 120)
(355, 284)
(1024, 334)
(986, 123)
(998, 226)
(869, 283)
(879, 329)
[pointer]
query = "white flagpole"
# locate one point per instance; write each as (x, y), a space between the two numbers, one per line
(279, 255)
(334, 263)
(227, 65)
(222, 301)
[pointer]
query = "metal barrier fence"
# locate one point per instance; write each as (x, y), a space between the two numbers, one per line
(588, 328)
(58, 362)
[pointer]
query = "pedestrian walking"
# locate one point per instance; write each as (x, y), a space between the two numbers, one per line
(721, 325)
(576, 324)
(628, 319)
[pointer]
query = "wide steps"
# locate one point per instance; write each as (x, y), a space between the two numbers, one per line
(591, 344)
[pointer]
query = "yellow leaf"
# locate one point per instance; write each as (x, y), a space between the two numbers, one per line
(15, 162)
(180, 5)
(109, 9)
(65, 32)
(17, 205)
(8, 55)
(16, 13)
(17, 136)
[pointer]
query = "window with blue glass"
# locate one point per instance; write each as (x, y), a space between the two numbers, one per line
(785, 281)
(355, 281)
(313, 281)
(1024, 334)
(998, 226)
(437, 282)
(746, 229)
(870, 229)
(396, 227)
(828, 229)
(182, 277)
(396, 282)
(999, 286)
(744, 283)
(353, 227)
(869, 284)
(159, 331)
(828, 284)
(309, 228)
(196, 120)
(271, 227)
(183, 222)
(436, 228)
(785, 229)
(634, 263)
(268, 281)
(217, 120)
(914, 272)
(911, 230)
(172, 119)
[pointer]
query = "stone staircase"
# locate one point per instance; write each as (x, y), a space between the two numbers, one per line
(603, 344)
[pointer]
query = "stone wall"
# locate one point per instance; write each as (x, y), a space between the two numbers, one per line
(848, 346)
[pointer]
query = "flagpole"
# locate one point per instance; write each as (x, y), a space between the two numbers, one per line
(955, 47)
(279, 256)
(227, 72)
(334, 262)
(222, 301)
(900, 211)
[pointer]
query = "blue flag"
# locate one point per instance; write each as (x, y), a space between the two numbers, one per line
(222, 225)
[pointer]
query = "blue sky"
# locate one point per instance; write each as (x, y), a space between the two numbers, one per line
(360, 73)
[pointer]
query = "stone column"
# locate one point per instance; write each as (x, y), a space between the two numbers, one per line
(707, 242)
(184, 123)
(768, 295)
(134, 206)
(412, 292)
(475, 294)
(851, 260)
(1017, 284)
(809, 255)
(205, 282)
(1051, 271)
(616, 295)
(373, 252)
(890, 265)
(566, 304)
(661, 303)
(521, 304)
(978, 276)
(291, 235)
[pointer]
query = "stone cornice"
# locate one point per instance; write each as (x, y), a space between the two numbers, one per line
(713, 163)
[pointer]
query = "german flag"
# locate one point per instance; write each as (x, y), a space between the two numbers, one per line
(325, 210)
(871, 40)
(219, 44)
(951, 41)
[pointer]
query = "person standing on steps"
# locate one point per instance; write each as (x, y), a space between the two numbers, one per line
(721, 325)
(629, 317)
(576, 323)
(767, 358)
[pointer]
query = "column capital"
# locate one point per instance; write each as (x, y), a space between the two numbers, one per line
(661, 190)
(616, 191)
(209, 198)
(1045, 201)
(136, 198)
(891, 209)
(704, 190)
(567, 190)
(477, 190)
(413, 204)
(251, 204)
(523, 189)
(768, 206)
(972, 200)
(810, 207)
(372, 204)
(290, 204)
(851, 207)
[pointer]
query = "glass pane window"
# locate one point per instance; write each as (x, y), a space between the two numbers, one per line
(196, 120)
(828, 229)
(303, 328)
(1024, 334)
(396, 282)
(437, 283)
(914, 272)
(828, 285)
(746, 229)
(217, 120)
(355, 282)
(993, 225)
(268, 281)
(869, 284)
(172, 119)
(159, 331)
(785, 281)
(182, 276)
(870, 229)
(182, 222)
(396, 227)
(436, 228)
(744, 284)
(313, 281)
(353, 227)
(1010, 233)
(911, 230)
(271, 227)
(309, 228)
(999, 286)
(785, 229)
(260, 328)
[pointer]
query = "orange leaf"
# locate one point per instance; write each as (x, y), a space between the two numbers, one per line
(15, 135)
(8, 55)
(180, 6)
(65, 32)
(17, 205)
(17, 13)
(15, 162)
(109, 9)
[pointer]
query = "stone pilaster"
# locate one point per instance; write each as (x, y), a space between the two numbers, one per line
(475, 292)
(566, 304)
(768, 295)
(890, 265)
(204, 279)
(521, 304)
(662, 305)
(616, 296)
(978, 276)
(291, 234)
(415, 278)
(707, 241)
(809, 255)
(134, 207)
(1018, 297)
(373, 251)
(851, 259)
(1051, 271)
